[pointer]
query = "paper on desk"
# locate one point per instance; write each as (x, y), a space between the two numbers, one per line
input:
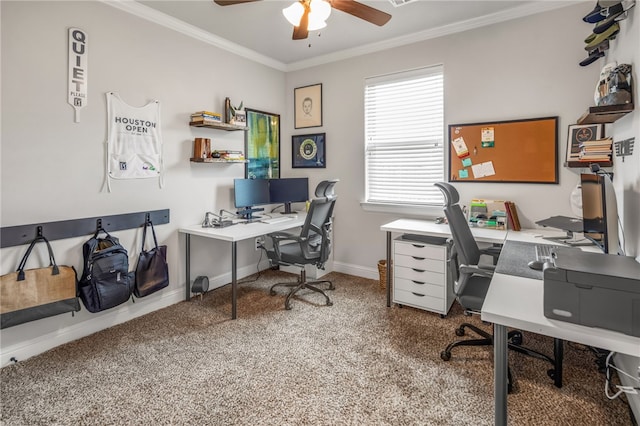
(483, 169)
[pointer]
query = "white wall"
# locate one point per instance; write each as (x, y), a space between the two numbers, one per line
(523, 68)
(626, 50)
(53, 169)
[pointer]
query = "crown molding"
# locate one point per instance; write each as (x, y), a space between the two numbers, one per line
(457, 27)
(152, 15)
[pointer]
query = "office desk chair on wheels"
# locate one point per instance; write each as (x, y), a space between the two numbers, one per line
(311, 247)
(472, 279)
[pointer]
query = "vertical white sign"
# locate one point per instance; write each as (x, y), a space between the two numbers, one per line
(78, 61)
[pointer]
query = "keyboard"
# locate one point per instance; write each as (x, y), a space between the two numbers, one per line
(276, 219)
(544, 253)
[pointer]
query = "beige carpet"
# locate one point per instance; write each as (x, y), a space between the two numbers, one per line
(354, 363)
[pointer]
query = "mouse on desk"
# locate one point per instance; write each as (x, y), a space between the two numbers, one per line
(539, 265)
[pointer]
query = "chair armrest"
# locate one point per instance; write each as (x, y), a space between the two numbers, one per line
(476, 270)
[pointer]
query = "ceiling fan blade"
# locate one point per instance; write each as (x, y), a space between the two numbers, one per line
(302, 30)
(361, 11)
(231, 2)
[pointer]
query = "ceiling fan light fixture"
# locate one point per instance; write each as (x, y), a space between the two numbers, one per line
(294, 13)
(320, 10)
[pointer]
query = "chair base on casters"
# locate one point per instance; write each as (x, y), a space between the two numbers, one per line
(302, 284)
(514, 342)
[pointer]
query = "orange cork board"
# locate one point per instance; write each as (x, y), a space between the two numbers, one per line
(518, 151)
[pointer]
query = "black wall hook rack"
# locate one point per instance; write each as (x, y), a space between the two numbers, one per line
(23, 234)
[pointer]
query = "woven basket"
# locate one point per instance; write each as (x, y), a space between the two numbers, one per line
(382, 269)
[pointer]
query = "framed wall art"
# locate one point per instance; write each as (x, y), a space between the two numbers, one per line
(307, 109)
(262, 145)
(579, 133)
(309, 151)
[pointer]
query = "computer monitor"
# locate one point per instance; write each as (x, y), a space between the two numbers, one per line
(600, 211)
(249, 193)
(287, 191)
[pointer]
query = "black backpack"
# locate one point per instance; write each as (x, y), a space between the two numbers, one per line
(106, 281)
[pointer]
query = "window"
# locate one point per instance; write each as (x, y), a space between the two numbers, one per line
(404, 137)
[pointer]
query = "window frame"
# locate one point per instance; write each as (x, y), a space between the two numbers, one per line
(418, 209)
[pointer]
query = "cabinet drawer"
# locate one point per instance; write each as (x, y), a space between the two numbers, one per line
(420, 263)
(420, 250)
(411, 274)
(419, 300)
(419, 287)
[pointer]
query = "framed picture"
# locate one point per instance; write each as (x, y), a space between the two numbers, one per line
(309, 151)
(262, 145)
(307, 110)
(579, 133)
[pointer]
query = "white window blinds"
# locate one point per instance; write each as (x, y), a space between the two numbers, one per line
(404, 136)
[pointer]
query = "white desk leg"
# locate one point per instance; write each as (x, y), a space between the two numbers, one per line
(234, 279)
(500, 371)
(188, 266)
(388, 269)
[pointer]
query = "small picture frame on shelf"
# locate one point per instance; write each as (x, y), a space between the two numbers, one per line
(240, 118)
(309, 151)
(579, 133)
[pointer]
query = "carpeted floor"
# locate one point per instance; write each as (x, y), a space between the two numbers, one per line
(354, 363)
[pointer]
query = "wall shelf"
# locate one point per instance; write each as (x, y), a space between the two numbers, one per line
(605, 114)
(218, 126)
(215, 160)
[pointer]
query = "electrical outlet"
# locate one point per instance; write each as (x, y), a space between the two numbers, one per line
(259, 242)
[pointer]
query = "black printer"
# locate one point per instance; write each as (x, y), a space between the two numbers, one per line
(593, 289)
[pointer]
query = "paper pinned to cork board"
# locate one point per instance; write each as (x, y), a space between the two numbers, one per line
(483, 169)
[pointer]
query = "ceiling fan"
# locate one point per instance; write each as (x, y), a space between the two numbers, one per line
(309, 15)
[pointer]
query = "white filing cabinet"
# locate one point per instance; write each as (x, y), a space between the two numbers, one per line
(420, 277)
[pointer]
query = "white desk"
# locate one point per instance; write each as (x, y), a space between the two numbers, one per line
(518, 302)
(233, 234)
(515, 302)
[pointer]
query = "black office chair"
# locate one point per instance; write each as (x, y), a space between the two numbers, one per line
(472, 278)
(311, 247)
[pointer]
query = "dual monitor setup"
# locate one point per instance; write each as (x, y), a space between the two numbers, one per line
(250, 193)
(599, 213)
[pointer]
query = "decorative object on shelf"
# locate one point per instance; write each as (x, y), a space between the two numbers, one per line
(239, 118)
(309, 151)
(614, 86)
(201, 148)
(235, 115)
(308, 106)
(262, 145)
(577, 135)
(624, 148)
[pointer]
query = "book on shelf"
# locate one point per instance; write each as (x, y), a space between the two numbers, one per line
(200, 118)
(605, 141)
(206, 113)
(512, 214)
